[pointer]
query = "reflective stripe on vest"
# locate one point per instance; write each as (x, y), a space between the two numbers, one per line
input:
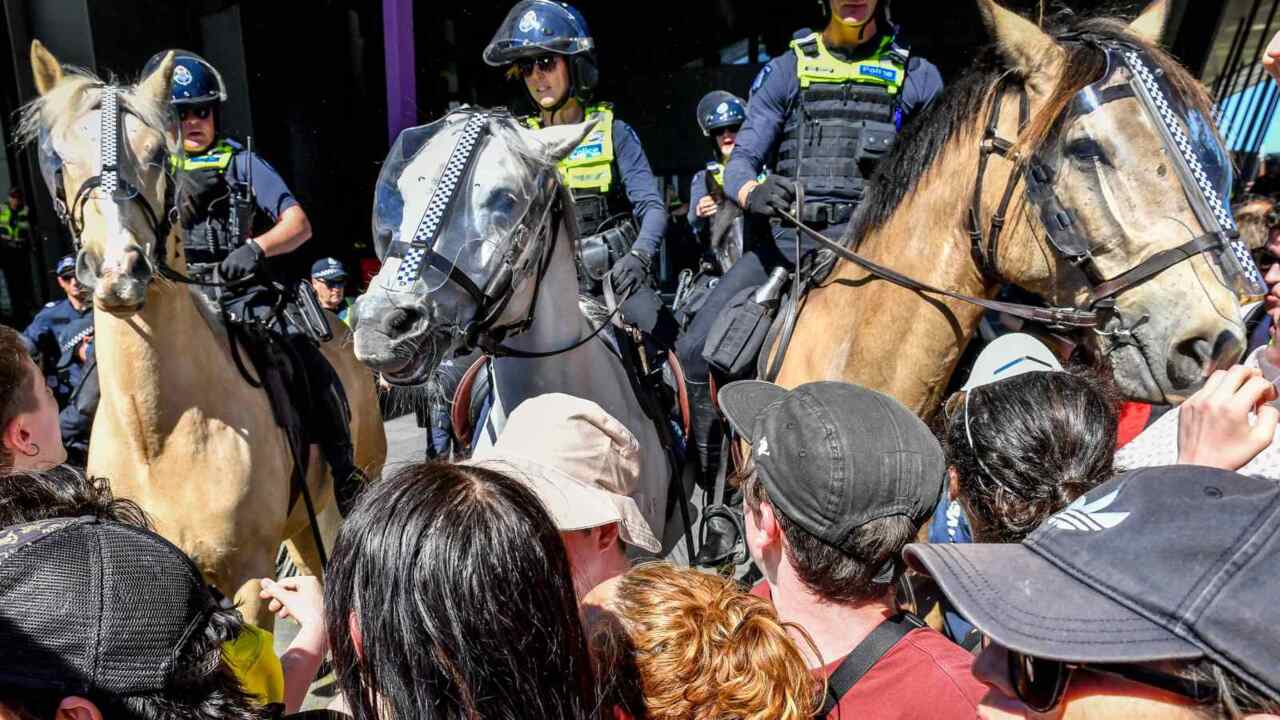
(815, 64)
(590, 165)
(717, 171)
(218, 156)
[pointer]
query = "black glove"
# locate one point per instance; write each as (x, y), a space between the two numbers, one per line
(774, 194)
(243, 262)
(198, 188)
(630, 272)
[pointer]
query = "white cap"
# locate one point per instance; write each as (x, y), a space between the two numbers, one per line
(1009, 356)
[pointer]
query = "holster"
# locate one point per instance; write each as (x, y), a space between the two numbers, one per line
(737, 335)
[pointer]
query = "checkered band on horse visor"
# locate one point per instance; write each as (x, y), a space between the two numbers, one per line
(1169, 118)
(441, 199)
(110, 140)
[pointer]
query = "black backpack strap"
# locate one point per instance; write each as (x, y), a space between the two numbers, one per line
(865, 656)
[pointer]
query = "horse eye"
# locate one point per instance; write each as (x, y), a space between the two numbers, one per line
(1086, 149)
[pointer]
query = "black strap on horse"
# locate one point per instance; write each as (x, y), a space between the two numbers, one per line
(993, 144)
(863, 657)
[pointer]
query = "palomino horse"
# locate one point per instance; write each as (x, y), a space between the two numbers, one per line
(1117, 178)
(178, 429)
(478, 242)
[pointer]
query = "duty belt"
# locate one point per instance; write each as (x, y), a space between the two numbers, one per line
(829, 213)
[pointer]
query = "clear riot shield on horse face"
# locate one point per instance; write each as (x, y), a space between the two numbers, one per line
(434, 211)
(1151, 128)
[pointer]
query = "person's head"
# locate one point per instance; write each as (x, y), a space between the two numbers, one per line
(1268, 261)
(196, 92)
(1025, 438)
(1149, 596)
(100, 619)
(448, 595)
(548, 45)
(879, 469)
(329, 279)
(15, 199)
(30, 437)
(677, 643)
(77, 294)
(720, 115)
(63, 492)
(584, 465)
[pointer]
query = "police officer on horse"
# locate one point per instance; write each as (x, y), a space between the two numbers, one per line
(820, 115)
(237, 211)
(548, 45)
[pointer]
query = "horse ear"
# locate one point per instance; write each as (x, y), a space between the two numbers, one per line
(1150, 24)
(1029, 51)
(156, 85)
(558, 141)
(45, 68)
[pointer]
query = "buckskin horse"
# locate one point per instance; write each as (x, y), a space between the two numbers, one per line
(178, 430)
(1093, 177)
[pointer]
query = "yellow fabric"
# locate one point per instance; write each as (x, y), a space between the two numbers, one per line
(218, 156)
(252, 657)
(883, 68)
(590, 165)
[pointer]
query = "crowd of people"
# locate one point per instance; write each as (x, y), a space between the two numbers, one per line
(1070, 571)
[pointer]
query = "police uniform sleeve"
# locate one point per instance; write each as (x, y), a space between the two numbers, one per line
(642, 188)
(771, 94)
(697, 191)
(923, 86)
(38, 330)
(270, 192)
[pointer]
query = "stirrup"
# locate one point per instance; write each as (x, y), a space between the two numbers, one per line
(736, 552)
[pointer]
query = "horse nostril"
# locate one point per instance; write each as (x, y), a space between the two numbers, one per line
(1194, 359)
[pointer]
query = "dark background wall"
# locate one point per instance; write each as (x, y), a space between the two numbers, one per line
(307, 77)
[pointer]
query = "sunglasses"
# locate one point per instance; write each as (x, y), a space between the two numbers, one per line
(332, 283)
(201, 112)
(1041, 684)
(545, 63)
(722, 130)
(1264, 259)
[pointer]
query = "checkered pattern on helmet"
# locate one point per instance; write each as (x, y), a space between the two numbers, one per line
(424, 237)
(97, 606)
(1217, 204)
(110, 150)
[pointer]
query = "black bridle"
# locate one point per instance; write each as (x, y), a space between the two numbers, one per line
(491, 300)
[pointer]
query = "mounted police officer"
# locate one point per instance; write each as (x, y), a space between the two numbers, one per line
(821, 115)
(720, 116)
(237, 211)
(61, 337)
(548, 45)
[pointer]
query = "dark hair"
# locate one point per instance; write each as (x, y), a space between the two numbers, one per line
(1039, 441)
(204, 689)
(828, 572)
(15, 374)
(62, 492)
(460, 590)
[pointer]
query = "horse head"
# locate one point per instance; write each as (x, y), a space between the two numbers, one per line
(104, 154)
(1126, 210)
(465, 212)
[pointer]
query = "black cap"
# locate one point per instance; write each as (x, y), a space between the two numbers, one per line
(835, 456)
(89, 605)
(1162, 563)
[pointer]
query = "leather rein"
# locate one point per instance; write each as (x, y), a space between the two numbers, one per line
(1059, 224)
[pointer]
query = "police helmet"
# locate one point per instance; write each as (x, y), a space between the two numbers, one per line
(719, 109)
(195, 81)
(538, 27)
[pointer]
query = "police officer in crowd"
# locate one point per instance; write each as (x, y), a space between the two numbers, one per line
(720, 116)
(230, 227)
(15, 227)
(548, 45)
(61, 337)
(820, 115)
(237, 211)
(329, 280)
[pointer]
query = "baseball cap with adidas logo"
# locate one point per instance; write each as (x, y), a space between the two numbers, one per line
(1163, 563)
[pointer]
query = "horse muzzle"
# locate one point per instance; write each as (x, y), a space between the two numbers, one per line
(119, 284)
(394, 340)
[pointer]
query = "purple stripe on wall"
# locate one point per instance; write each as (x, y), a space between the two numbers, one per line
(402, 90)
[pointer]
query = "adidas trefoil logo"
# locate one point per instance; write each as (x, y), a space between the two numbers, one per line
(764, 447)
(1086, 516)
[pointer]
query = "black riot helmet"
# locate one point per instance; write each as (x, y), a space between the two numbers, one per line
(539, 27)
(195, 80)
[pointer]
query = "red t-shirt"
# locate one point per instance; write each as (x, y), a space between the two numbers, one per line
(924, 675)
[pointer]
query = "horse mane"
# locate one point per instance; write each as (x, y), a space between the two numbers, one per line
(79, 92)
(923, 140)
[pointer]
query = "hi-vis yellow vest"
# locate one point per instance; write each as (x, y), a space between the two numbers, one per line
(815, 64)
(590, 165)
(218, 156)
